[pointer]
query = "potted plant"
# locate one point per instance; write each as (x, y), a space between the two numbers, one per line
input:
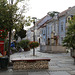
(33, 44)
(24, 44)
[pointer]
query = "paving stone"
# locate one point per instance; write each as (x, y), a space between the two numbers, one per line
(65, 65)
(55, 68)
(72, 72)
(60, 64)
(13, 73)
(59, 73)
(66, 62)
(72, 67)
(38, 73)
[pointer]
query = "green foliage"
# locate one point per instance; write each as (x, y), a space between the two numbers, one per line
(69, 40)
(52, 14)
(21, 34)
(33, 44)
(7, 13)
(24, 44)
(10, 15)
(3, 34)
(28, 21)
(16, 36)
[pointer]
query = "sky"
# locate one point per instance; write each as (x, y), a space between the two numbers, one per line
(39, 8)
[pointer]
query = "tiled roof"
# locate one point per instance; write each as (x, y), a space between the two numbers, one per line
(40, 20)
(64, 12)
(43, 25)
(60, 14)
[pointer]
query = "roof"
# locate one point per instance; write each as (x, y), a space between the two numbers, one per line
(64, 12)
(40, 20)
(44, 24)
(60, 14)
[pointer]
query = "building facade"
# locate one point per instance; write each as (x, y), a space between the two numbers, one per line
(52, 30)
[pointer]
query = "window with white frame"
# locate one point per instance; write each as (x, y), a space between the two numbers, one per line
(48, 30)
(62, 39)
(62, 26)
(42, 31)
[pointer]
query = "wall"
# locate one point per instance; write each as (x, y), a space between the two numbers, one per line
(62, 33)
(52, 49)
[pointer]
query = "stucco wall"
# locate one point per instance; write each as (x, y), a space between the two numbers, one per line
(47, 48)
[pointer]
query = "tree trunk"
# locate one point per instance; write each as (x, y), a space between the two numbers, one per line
(9, 43)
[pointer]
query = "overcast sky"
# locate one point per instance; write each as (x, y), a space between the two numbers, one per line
(39, 8)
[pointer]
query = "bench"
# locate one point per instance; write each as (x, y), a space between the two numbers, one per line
(30, 63)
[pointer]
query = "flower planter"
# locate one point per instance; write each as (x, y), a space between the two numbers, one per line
(33, 44)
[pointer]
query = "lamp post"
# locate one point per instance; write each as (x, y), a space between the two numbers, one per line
(34, 18)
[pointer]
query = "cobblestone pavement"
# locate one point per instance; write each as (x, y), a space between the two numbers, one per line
(60, 64)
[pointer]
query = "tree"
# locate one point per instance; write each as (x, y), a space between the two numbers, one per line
(10, 18)
(20, 31)
(69, 40)
(52, 14)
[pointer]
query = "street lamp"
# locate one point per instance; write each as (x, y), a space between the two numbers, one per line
(34, 18)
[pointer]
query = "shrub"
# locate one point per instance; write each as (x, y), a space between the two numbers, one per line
(24, 44)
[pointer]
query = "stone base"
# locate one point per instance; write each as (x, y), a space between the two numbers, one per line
(52, 49)
(21, 65)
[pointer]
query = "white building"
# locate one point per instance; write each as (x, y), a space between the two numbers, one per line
(29, 34)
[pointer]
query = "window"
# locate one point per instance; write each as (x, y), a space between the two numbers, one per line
(62, 39)
(71, 17)
(51, 28)
(61, 26)
(42, 31)
(48, 30)
(68, 19)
